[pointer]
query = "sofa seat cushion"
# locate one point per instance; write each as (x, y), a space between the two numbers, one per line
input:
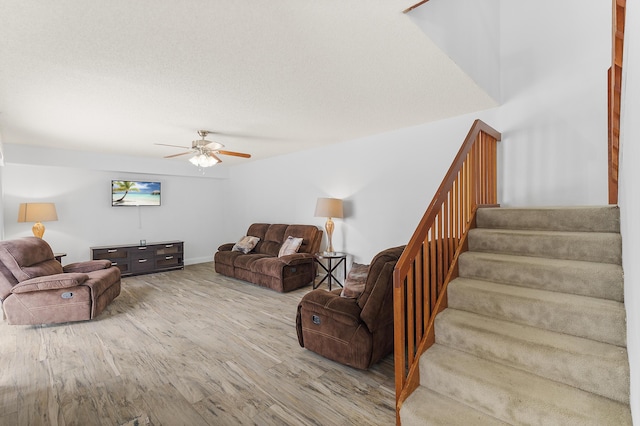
(50, 282)
(101, 280)
(275, 266)
(227, 258)
(246, 260)
(271, 266)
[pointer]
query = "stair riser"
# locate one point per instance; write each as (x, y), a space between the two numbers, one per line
(513, 396)
(600, 280)
(589, 247)
(425, 407)
(593, 367)
(584, 219)
(602, 323)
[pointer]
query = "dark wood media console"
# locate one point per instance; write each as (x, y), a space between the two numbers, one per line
(135, 259)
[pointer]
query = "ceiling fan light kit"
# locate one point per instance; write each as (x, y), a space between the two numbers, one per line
(205, 151)
(204, 160)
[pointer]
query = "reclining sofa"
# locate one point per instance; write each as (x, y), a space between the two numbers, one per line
(263, 266)
(36, 289)
(357, 332)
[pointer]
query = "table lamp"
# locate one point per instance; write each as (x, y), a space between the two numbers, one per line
(37, 212)
(329, 207)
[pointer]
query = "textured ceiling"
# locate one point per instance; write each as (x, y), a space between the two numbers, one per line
(268, 78)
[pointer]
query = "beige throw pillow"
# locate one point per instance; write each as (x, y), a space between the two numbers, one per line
(355, 281)
(246, 244)
(290, 246)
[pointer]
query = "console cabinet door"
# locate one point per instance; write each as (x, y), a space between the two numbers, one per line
(169, 256)
(119, 256)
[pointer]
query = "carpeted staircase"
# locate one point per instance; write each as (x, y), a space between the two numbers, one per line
(535, 331)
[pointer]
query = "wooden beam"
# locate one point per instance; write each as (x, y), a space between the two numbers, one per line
(409, 9)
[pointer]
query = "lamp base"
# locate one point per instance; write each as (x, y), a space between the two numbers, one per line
(38, 229)
(329, 227)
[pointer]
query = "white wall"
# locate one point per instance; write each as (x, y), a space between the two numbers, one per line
(387, 181)
(629, 198)
(1, 189)
(549, 61)
(455, 25)
(555, 56)
(192, 209)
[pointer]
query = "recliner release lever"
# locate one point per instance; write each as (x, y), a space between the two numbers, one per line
(315, 319)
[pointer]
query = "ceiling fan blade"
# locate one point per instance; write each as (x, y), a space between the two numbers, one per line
(175, 146)
(235, 154)
(177, 155)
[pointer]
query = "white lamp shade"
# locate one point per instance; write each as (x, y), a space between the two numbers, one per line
(37, 212)
(329, 207)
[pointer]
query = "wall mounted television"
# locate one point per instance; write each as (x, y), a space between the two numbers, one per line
(135, 193)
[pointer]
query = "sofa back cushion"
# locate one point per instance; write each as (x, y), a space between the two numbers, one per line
(25, 258)
(273, 236)
(258, 230)
(311, 237)
(377, 299)
(272, 241)
(29, 257)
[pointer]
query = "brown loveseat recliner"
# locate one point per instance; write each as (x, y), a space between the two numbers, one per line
(356, 332)
(36, 289)
(262, 265)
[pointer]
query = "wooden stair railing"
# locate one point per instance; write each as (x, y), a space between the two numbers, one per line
(614, 95)
(429, 261)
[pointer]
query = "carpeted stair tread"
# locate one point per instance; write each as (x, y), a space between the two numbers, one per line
(426, 407)
(535, 329)
(582, 363)
(577, 219)
(512, 395)
(585, 246)
(588, 317)
(593, 279)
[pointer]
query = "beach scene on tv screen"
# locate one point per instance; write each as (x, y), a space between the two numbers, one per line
(135, 193)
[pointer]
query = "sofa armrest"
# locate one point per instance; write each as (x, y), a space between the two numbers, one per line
(341, 309)
(50, 282)
(296, 258)
(226, 247)
(87, 266)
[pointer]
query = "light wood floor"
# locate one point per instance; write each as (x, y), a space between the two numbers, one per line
(185, 348)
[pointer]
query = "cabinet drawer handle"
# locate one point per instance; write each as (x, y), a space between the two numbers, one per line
(142, 248)
(142, 260)
(168, 257)
(112, 250)
(169, 245)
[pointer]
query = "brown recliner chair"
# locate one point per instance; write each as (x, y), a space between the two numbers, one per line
(356, 332)
(36, 289)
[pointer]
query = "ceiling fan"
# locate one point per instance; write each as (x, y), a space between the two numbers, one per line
(205, 152)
